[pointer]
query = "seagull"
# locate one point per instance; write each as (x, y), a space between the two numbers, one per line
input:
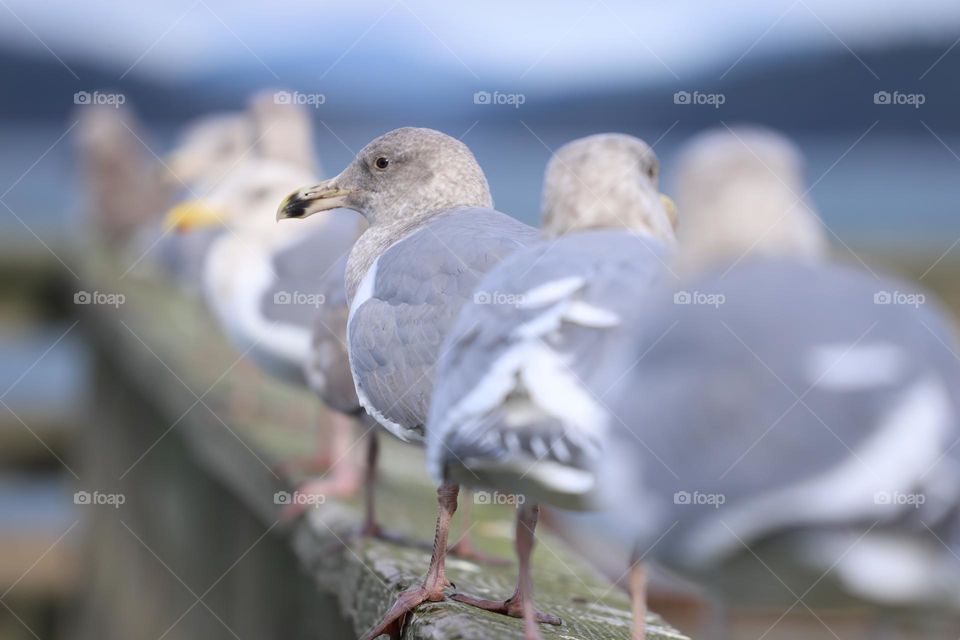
(511, 409)
(203, 153)
(260, 279)
(207, 149)
(210, 147)
(780, 426)
(728, 178)
(265, 284)
(327, 370)
(206, 153)
(432, 235)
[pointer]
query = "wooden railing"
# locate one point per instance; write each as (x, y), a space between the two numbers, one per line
(191, 437)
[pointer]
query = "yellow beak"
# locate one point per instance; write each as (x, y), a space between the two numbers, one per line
(670, 207)
(193, 214)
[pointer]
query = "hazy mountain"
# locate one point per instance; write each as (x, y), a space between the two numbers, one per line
(38, 87)
(802, 91)
(795, 91)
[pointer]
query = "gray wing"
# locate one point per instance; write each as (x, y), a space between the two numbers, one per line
(294, 296)
(328, 367)
(799, 401)
(513, 400)
(421, 283)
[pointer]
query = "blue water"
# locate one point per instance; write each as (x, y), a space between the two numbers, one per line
(43, 369)
(29, 502)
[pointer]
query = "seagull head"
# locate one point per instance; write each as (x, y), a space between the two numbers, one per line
(243, 200)
(404, 175)
(743, 194)
(609, 180)
(715, 158)
(208, 149)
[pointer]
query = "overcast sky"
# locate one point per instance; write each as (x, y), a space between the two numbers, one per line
(536, 41)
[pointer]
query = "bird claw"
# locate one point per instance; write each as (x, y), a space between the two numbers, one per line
(392, 623)
(511, 607)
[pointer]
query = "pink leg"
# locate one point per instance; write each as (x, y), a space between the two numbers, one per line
(343, 464)
(638, 599)
(520, 604)
(371, 527)
(332, 451)
(342, 480)
(431, 590)
(464, 548)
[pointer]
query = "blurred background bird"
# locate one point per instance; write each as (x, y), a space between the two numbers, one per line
(770, 405)
(124, 194)
(209, 152)
(265, 282)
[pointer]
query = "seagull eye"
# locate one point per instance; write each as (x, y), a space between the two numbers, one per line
(381, 163)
